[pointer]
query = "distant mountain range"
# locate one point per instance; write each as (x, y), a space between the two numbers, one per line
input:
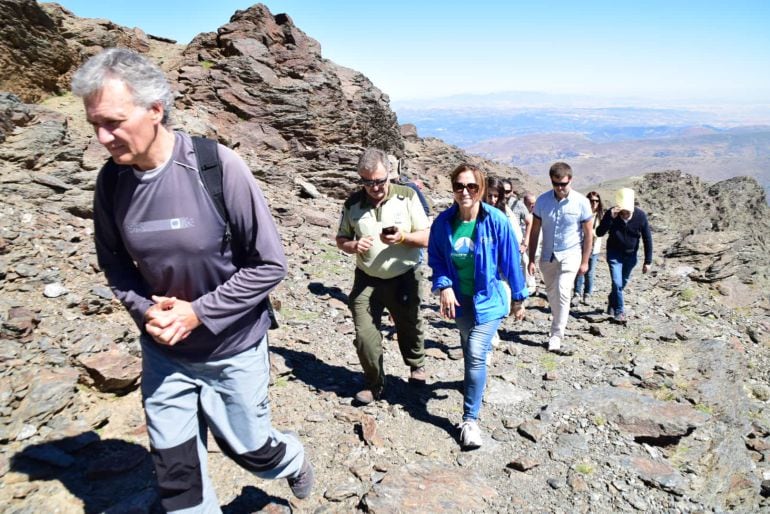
(600, 143)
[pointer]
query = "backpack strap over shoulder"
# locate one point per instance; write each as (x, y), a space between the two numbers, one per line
(211, 175)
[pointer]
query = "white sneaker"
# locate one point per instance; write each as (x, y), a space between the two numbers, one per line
(554, 344)
(470, 435)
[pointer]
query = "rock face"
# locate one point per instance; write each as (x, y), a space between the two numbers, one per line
(669, 413)
(261, 84)
(34, 56)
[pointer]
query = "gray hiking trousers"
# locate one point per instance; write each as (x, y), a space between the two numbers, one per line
(183, 399)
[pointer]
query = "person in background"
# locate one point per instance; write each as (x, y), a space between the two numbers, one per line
(584, 284)
(495, 197)
(567, 223)
(472, 251)
(385, 227)
(510, 196)
(201, 307)
(626, 225)
(399, 176)
(528, 200)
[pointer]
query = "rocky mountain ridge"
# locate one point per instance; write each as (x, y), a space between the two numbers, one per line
(668, 414)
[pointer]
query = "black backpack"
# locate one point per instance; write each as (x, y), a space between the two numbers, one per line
(210, 168)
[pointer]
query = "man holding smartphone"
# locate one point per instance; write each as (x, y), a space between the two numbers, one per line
(384, 226)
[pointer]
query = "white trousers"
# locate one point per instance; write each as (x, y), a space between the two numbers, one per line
(559, 277)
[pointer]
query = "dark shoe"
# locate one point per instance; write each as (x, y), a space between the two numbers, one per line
(302, 484)
(610, 310)
(367, 396)
(418, 376)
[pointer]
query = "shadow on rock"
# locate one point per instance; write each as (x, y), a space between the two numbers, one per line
(532, 338)
(252, 499)
(346, 383)
(108, 475)
(319, 289)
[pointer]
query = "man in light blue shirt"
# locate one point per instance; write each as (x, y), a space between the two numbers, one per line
(565, 217)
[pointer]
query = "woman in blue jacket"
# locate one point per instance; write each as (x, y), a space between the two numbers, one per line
(472, 251)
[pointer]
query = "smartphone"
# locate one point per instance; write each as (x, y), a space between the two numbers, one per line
(389, 230)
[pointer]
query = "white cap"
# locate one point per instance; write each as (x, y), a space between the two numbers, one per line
(624, 199)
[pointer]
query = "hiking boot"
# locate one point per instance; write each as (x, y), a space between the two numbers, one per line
(470, 435)
(620, 318)
(610, 310)
(554, 344)
(586, 299)
(302, 484)
(575, 301)
(418, 375)
(367, 396)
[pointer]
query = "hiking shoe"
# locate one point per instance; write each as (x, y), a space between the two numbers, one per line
(554, 344)
(610, 310)
(418, 375)
(620, 318)
(575, 301)
(367, 396)
(586, 299)
(470, 435)
(302, 484)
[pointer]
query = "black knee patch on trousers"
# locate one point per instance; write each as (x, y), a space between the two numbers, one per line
(179, 475)
(263, 459)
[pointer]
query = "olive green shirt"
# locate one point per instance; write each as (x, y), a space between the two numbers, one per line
(401, 207)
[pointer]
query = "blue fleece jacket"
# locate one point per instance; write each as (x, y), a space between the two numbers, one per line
(496, 258)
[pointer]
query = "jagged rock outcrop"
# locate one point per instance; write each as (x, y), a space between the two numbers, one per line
(34, 55)
(720, 230)
(261, 84)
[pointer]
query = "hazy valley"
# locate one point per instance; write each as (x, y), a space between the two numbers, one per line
(603, 143)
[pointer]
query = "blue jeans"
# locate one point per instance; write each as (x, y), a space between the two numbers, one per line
(620, 265)
(476, 341)
(584, 284)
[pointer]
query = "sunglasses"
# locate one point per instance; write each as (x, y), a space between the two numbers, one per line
(373, 183)
(560, 184)
(458, 187)
(508, 191)
(594, 200)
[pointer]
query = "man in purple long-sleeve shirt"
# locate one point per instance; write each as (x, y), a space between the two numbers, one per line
(201, 306)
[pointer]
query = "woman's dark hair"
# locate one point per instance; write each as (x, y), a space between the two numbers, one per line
(496, 186)
(600, 207)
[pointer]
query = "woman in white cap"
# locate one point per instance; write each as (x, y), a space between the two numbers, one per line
(626, 225)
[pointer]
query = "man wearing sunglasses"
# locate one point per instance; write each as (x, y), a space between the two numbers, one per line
(565, 217)
(384, 226)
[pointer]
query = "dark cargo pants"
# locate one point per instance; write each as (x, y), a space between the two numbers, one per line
(401, 296)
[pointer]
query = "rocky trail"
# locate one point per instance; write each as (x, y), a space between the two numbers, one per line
(670, 413)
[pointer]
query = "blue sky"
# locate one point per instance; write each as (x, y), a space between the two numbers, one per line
(662, 51)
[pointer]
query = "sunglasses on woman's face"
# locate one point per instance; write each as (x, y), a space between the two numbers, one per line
(458, 187)
(594, 200)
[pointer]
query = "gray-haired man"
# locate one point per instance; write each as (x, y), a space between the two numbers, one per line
(202, 312)
(384, 226)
